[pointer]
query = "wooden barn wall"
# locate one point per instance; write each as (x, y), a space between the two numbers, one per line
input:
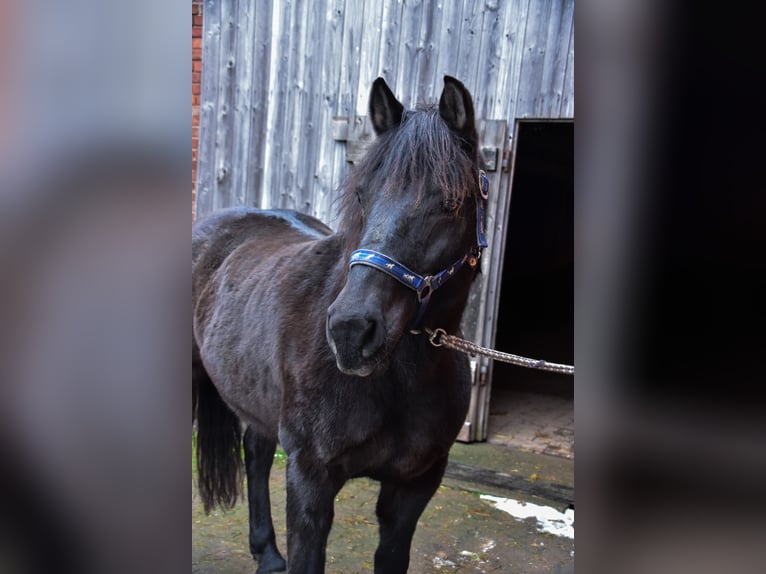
(275, 75)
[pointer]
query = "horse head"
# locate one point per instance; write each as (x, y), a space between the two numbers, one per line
(413, 218)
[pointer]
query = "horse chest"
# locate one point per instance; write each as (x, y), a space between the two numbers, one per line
(390, 456)
(392, 442)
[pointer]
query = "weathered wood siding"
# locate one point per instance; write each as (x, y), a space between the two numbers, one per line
(276, 73)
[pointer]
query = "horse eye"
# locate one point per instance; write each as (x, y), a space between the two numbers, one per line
(358, 196)
(451, 205)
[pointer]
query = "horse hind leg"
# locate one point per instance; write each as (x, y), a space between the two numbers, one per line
(259, 456)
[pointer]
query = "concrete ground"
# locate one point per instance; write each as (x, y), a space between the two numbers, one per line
(532, 422)
(460, 531)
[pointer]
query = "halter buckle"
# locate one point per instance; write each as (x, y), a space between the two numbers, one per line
(424, 293)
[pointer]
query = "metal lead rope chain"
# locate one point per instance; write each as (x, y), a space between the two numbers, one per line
(440, 338)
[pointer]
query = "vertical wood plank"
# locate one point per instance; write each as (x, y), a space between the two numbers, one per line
(517, 30)
(348, 83)
(567, 100)
(369, 51)
(429, 83)
(554, 64)
(349, 79)
(277, 105)
(259, 103)
(546, 97)
(331, 153)
(530, 80)
(497, 221)
(225, 107)
(478, 322)
(292, 191)
(484, 84)
(320, 17)
(211, 34)
(504, 43)
(244, 23)
(405, 84)
(558, 63)
(390, 30)
(470, 42)
(449, 40)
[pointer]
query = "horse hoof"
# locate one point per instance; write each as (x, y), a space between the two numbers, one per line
(270, 561)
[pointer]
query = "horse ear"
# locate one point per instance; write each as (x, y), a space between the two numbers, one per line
(385, 110)
(456, 109)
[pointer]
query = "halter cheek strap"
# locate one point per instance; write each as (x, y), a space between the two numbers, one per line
(481, 208)
(425, 285)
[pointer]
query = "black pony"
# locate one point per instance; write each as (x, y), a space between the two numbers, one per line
(310, 338)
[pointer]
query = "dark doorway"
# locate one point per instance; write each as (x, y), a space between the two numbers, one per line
(536, 312)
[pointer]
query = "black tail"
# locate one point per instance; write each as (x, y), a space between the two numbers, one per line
(219, 440)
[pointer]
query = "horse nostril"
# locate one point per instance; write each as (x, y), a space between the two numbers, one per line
(371, 338)
(359, 334)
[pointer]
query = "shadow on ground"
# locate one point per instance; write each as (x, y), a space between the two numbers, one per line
(459, 532)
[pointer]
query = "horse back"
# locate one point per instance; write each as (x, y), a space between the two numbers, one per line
(216, 236)
(231, 244)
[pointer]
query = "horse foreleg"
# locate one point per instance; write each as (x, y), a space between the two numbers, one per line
(259, 456)
(310, 510)
(399, 507)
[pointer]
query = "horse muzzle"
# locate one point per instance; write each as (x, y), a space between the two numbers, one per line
(357, 339)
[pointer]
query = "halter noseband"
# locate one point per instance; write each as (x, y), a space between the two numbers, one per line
(424, 286)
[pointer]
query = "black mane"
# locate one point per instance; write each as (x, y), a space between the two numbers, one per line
(396, 161)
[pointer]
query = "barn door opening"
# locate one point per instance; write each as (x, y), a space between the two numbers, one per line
(536, 308)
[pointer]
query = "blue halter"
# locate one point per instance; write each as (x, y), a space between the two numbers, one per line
(425, 285)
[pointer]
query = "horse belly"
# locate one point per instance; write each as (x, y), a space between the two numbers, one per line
(242, 372)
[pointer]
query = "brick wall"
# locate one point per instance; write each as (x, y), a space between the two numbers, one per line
(196, 74)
